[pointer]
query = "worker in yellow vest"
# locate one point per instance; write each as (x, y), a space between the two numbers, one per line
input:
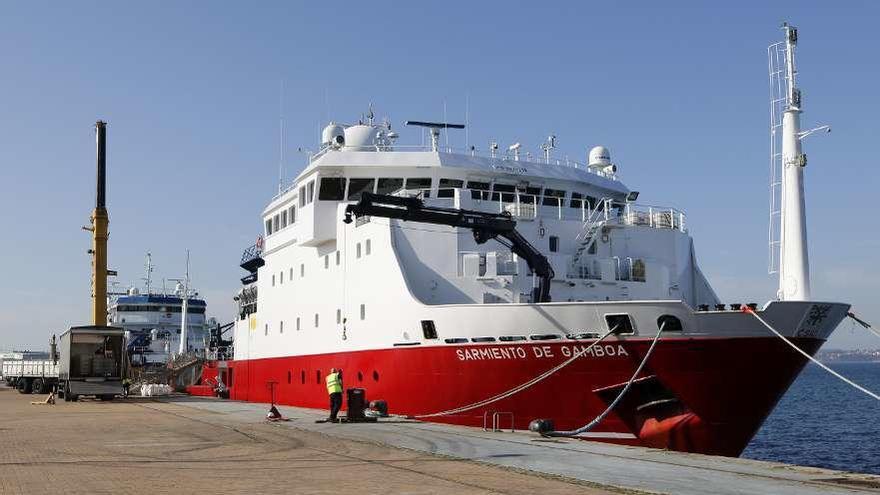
(334, 388)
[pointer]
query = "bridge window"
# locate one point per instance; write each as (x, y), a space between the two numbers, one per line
(310, 196)
(332, 189)
(419, 183)
(337, 258)
(577, 200)
(363, 311)
(446, 187)
(554, 244)
(276, 223)
(389, 186)
(553, 197)
(358, 250)
(504, 192)
(669, 323)
(528, 195)
(357, 187)
(269, 227)
(479, 190)
(292, 214)
(428, 329)
(619, 324)
(284, 219)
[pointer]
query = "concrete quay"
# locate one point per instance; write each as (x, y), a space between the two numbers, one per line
(181, 444)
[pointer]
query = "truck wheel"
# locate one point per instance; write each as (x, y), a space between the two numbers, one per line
(38, 386)
(106, 397)
(24, 386)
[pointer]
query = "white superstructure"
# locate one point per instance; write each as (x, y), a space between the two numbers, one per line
(326, 285)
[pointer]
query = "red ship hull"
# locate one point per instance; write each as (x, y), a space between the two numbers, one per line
(705, 395)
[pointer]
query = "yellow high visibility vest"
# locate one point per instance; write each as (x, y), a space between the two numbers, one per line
(334, 384)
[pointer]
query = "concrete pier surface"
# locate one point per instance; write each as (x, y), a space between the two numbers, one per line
(183, 444)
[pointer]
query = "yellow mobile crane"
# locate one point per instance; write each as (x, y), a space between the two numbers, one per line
(99, 222)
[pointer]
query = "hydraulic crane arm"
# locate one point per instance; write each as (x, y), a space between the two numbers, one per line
(485, 226)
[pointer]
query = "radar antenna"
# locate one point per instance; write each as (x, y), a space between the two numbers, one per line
(435, 130)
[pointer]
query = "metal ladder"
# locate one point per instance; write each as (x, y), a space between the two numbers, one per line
(592, 225)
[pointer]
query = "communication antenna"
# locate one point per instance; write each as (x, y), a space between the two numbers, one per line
(467, 120)
(548, 146)
(149, 276)
(281, 138)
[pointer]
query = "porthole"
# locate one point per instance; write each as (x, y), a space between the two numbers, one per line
(375, 376)
(360, 376)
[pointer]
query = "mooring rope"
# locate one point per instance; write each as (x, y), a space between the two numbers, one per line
(863, 323)
(518, 388)
(592, 424)
(747, 309)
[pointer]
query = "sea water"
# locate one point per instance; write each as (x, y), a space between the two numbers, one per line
(824, 422)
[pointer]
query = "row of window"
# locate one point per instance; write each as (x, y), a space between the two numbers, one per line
(619, 324)
(367, 250)
(281, 220)
(339, 320)
(195, 310)
(340, 188)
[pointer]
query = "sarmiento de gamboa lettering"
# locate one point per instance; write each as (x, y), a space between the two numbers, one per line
(545, 351)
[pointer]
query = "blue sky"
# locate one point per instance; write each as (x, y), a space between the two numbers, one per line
(191, 94)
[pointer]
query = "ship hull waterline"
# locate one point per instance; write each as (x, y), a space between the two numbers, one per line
(696, 394)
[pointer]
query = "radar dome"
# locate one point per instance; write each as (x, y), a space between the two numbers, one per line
(360, 137)
(333, 135)
(133, 291)
(600, 157)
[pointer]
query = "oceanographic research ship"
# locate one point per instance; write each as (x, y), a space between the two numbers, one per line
(454, 286)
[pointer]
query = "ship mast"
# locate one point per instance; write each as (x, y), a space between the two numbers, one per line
(794, 264)
(183, 309)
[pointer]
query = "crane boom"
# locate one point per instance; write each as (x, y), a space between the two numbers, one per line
(485, 226)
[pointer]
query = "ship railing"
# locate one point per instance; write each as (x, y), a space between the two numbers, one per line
(251, 253)
(508, 158)
(657, 217)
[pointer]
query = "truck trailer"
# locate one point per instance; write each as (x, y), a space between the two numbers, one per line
(37, 376)
(92, 362)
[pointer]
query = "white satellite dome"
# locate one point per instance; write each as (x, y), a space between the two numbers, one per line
(600, 157)
(333, 135)
(133, 291)
(360, 137)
